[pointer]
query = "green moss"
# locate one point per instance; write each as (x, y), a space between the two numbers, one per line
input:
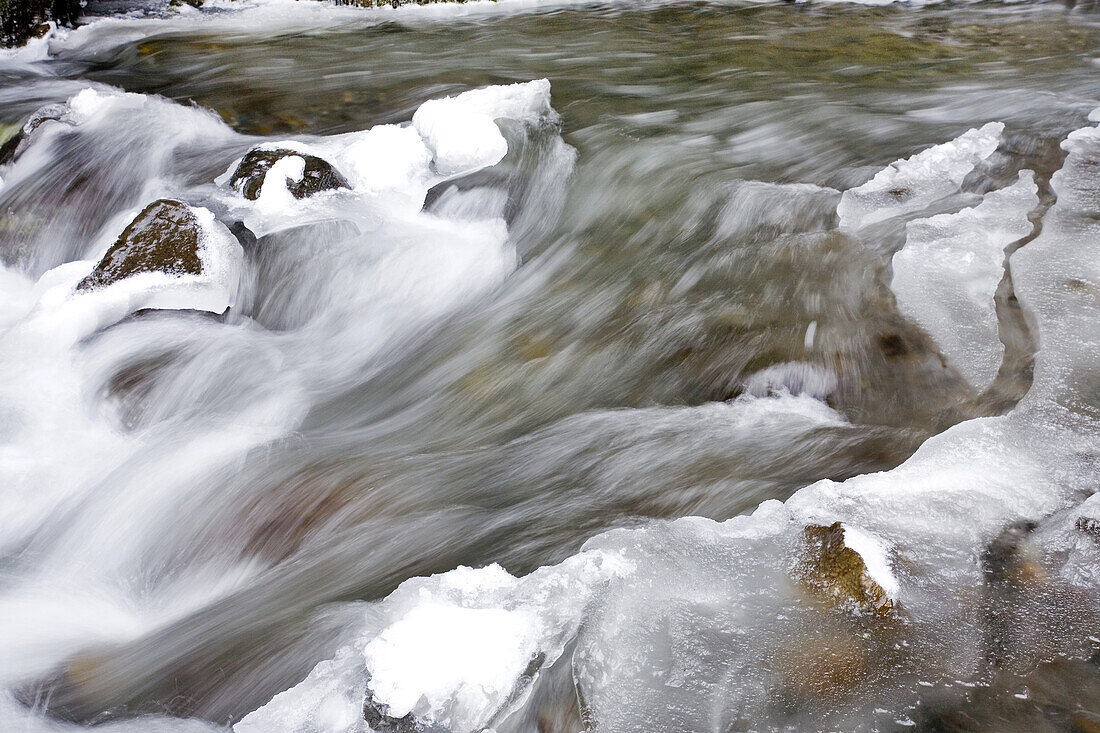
(10, 137)
(164, 237)
(319, 174)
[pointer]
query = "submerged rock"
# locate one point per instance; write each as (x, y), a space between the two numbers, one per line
(835, 570)
(21, 20)
(164, 237)
(317, 174)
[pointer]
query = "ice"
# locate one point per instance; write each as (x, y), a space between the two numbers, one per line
(938, 512)
(441, 656)
(911, 184)
(461, 131)
(391, 167)
(947, 273)
(703, 625)
(457, 651)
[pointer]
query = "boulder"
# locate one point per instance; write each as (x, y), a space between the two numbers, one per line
(835, 572)
(317, 175)
(13, 145)
(171, 256)
(164, 237)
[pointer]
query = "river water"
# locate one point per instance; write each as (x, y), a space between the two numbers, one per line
(648, 310)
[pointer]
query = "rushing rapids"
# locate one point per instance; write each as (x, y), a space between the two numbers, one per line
(552, 369)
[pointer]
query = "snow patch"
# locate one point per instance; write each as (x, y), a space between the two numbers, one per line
(447, 664)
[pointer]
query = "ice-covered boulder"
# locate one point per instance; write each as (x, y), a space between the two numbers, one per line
(947, 273)
(300, 173)
(170, 256)
(461, 131)
(381, 173)
(846, 566)
(911, 184)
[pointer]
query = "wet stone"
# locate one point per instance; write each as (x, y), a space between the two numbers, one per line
(319, 174)
(837, 574)
(13, 145)
(164, 237)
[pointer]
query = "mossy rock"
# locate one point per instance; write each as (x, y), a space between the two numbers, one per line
(21, 20)
(837, 574)
(319, 174)
(164, 237)
(14, 136)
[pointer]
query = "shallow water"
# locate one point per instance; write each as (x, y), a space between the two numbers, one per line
(193, 499)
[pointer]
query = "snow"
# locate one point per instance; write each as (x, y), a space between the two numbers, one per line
(875, 557)
(391, 167)
(911, 184)
(946, 275)
(441, 657)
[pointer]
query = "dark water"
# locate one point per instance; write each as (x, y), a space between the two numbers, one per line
(663, 260)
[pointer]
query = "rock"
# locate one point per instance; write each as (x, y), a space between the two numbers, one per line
(21, 20)
(164, 237)
(180, 3)
(170, 257)
(318, 174)
(837, 573)
(820, 666)
(13, 146)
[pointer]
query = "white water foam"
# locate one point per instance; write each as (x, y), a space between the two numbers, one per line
(94, 503)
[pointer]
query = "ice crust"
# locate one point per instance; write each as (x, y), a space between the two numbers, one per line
(391, 167)
(695, 624)
(911, 184)
(947, 273)
(459, 650)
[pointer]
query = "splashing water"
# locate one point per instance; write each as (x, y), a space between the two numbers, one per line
(615, 379)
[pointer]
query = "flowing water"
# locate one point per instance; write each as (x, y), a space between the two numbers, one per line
(649, 309)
